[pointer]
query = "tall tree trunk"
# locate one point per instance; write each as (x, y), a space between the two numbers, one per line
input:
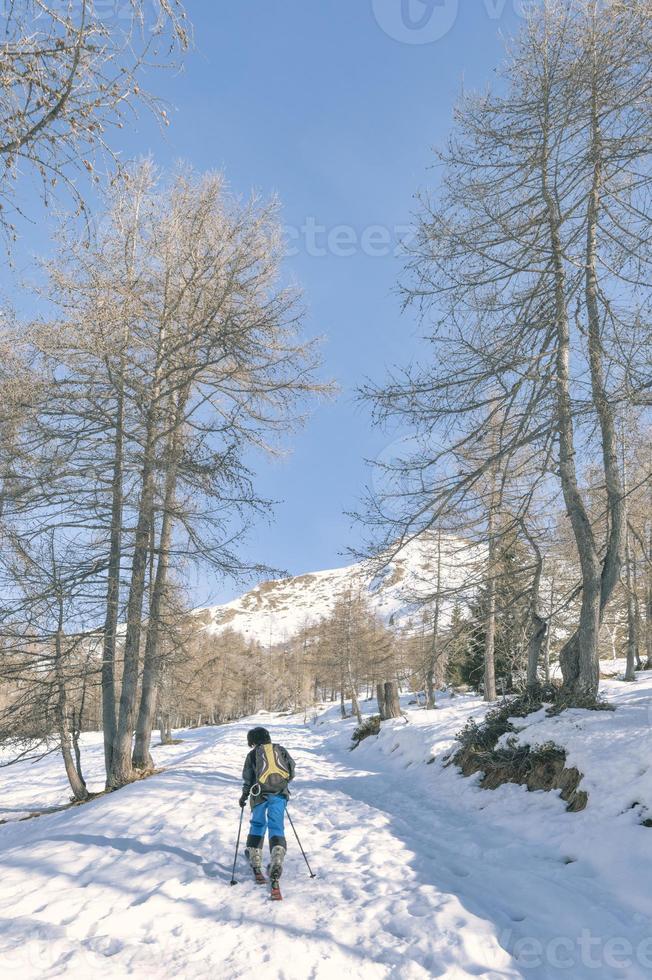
(490, 617)
(637, 615)
(616, 506)
(434, 650)
(643, 630)
(580, 662)
(355, 703)
(490, 641)
(151, 668)
(578, 657)
(121, 767)
(380, 697)
(392, 700)
(632, 640)
(75, 735)
(535, 644)
(77, 784)
(431, 702)
(77, 723)
(632, 618)
(551, 612)
(141, 757)
(538, 625)
(166, 728)
(109, 713)
(113, 590)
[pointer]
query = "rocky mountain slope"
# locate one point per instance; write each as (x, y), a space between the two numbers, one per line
(277, 610)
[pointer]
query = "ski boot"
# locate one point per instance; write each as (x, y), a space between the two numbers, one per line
(255, 857)
(275, 870)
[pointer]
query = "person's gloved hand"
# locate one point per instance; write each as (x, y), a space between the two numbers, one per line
(243, 799)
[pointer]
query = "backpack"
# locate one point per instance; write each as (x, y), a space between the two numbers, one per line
(272, 775)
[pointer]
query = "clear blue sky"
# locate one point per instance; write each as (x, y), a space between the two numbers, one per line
(334, 105)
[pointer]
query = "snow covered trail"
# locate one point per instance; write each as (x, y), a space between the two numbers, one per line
(412, 883)
(137, 882)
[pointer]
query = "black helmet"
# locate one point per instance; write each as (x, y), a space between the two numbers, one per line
(258, 736)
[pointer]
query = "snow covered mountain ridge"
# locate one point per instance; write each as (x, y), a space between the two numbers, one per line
(275, 611)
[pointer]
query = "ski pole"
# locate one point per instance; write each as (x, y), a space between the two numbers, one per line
(299, 843)
(237, 845)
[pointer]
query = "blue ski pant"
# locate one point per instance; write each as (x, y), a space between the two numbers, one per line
(270, 813)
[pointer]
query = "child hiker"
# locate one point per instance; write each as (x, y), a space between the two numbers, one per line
(267, 771)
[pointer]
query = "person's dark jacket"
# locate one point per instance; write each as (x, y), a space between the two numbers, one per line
(249, 772)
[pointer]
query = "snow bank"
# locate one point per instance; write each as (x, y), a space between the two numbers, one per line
(590, 908)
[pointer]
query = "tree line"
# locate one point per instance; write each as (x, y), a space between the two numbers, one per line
(210, 675)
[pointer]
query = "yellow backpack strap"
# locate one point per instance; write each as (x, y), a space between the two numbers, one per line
(272, 766)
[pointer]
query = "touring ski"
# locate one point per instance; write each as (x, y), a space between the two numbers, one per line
(259, 877)
(276, 891)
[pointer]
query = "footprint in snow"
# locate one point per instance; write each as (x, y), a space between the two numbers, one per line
(211, 869)
(419, 911)
(142, 899)
(106, 945)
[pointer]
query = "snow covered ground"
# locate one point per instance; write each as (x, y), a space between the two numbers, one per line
(420, 872)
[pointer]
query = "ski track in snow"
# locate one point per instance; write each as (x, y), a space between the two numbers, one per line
(412, 882)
